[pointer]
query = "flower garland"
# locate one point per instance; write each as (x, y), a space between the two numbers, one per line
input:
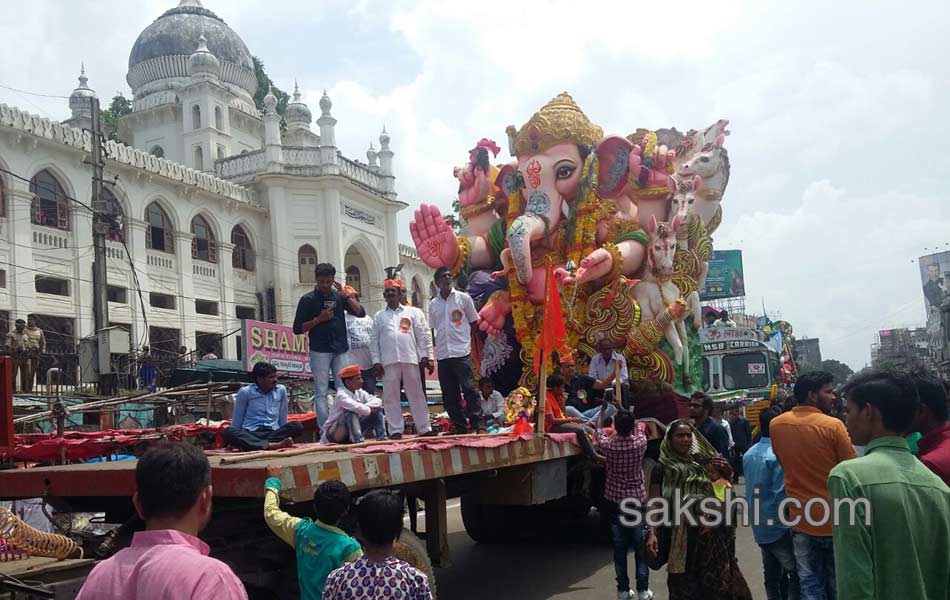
(591, 209)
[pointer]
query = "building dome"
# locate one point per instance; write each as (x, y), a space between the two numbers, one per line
(297, 111)
(163, 49)
(202, 62)
(79, 100)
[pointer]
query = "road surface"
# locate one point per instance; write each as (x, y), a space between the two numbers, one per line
(571, 560)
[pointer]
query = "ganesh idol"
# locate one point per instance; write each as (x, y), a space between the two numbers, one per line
(590, 205)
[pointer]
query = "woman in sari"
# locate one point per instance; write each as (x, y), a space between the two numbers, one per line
(702, 561)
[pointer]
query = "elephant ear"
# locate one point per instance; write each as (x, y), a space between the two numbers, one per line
(508, 179)
(613, 154)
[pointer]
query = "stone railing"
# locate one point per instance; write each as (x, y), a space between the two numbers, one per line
(300, 156)
(206, 270)
(298, 160)
(240, 165)
(13, 117)
(50, 237)
(408, 252)
(360, 173)
(161, 260)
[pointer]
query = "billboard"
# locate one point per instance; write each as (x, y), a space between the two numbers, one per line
(935, 279)
(725, 278)
(277, 345)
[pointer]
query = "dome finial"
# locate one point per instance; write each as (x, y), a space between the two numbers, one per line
(196, 3)
(384, 139)
(270, 101)
(325, 103)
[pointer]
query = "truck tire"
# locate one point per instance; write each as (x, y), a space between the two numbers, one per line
(485, 523)
(413, 550)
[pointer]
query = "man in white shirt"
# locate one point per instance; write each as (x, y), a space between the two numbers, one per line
(452, 315)
(602, 366)
(400, 345)
(354, 411)
(359, 331)
(493, 403)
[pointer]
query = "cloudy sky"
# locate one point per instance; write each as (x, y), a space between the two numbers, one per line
(838, 112)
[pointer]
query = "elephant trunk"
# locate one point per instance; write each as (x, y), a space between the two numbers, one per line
(522, 231)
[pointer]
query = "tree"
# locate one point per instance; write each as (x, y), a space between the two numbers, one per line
(840, 371)
(264, 83)
(453, 219)
(119, 107)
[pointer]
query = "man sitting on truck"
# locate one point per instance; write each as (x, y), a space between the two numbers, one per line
(354, 412)
(260, 414)
(320, 545)
(167, 560)
(556, 421)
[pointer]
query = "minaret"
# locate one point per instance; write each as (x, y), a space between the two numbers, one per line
(386, 164)
(327, 134)
(273, 150)
(297, 114)
(202, 64)
(80, 103)
(371, 157)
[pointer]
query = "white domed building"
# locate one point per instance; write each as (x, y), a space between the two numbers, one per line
(222, 215)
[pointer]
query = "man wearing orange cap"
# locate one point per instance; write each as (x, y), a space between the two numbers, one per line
(354, 411)
(400, 345)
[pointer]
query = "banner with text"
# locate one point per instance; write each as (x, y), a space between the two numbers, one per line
(276, 344)
(724, 278)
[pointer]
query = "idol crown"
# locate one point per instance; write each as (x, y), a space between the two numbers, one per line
(559, 121)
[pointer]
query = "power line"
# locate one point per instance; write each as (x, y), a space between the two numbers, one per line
(19, 91)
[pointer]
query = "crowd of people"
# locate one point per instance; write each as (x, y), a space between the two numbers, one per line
(803, 469)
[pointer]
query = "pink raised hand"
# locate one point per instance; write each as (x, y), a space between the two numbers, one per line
(597, 264)
(434, 238)
(492, 316)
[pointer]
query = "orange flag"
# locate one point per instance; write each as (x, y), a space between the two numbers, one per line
(553, 333)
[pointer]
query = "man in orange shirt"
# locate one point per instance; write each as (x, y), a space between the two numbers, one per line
(808, 444)
(555, 421)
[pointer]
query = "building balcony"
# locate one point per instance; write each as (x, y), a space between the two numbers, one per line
(205, 270)
(159, 260)
(51, 237)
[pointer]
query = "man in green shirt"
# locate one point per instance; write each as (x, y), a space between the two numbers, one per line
(899, 540)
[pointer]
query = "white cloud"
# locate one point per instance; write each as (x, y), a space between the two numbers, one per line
(838, 266)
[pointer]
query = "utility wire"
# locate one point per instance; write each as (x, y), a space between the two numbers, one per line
(19, 91)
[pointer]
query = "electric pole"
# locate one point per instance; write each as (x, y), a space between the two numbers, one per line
(101, 225)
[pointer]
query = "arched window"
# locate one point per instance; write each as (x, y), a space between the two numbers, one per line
(114, 207)
(199, 159)
(242, 257)
(157, 151)
(159, 235)
(417, 299)
(307, 259)
(353, 278)
(202, 245)
(218, 118)
(196, 117)
(3, 198)
(50, 206)
(221, 152)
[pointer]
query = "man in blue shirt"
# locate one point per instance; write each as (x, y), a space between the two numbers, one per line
(765, 485)
(321, 314)
(700, 410)
(260, 414)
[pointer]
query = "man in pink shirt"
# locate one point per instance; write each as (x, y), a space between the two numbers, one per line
(167, 560)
